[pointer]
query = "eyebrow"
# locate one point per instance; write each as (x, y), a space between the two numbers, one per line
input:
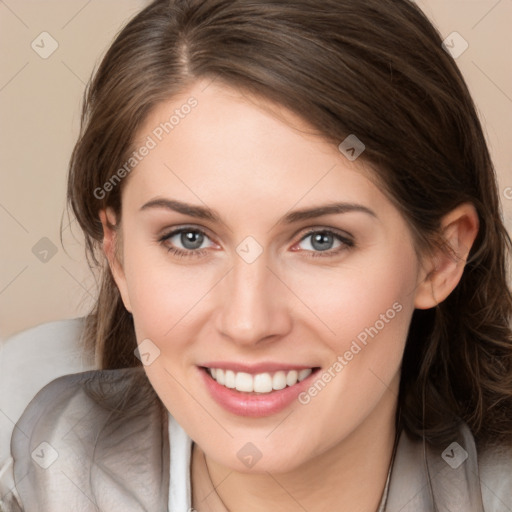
(201, 212)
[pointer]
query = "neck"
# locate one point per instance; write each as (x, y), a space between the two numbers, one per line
(350, 476)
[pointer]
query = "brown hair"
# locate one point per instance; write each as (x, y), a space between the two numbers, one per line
(374, 68)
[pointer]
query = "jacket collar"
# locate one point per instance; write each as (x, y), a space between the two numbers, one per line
(429, 478)
(109, 458)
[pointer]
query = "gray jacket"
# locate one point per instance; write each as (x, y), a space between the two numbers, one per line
(98, 441)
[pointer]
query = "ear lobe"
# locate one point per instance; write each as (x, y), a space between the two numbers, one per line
(111, 249)
(445, 267)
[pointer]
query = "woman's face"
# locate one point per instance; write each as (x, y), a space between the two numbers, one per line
(265, 285)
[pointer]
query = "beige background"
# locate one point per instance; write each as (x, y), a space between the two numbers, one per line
(40, 107)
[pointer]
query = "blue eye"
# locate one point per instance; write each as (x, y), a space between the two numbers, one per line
(191, 240)
(325, 243)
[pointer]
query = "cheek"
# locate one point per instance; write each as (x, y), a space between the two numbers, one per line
(164, 311)
(365, 297)
(162, 293)
(370, 316)
(166, 301)
(365, 308)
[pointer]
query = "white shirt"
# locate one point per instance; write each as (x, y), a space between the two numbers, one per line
(110, 432)
(180, 476)
(181, 451)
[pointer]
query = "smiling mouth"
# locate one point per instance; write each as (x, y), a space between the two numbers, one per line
(260, 383)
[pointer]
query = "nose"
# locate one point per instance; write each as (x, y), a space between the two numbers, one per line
(253, 303)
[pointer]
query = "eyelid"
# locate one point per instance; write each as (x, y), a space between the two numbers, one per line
(327, 229)
(170, 232)
(346, 240)
(344, 237)
(178, 252)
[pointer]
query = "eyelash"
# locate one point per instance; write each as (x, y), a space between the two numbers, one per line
(347, 243)
(181, 253)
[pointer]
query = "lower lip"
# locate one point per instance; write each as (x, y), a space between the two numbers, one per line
(254, 406)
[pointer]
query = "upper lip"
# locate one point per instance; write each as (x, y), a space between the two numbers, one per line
(253, 369)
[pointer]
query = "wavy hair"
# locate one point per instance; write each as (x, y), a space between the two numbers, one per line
(375, 68)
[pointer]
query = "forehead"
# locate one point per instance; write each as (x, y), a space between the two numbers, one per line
(213, 143)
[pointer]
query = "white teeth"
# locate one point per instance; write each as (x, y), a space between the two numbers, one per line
(229, 377)
(291, 377)
(244, 382)
(263, 383)
(279, 380)
(259, 383)
(304, 373)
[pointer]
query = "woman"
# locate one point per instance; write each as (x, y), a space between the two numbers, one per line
(304, 302)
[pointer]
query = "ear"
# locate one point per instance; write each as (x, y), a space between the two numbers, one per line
(443, 270)
(112, 249)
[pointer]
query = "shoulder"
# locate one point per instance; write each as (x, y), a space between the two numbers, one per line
(64, 391)
(451, 474)
(495, 470)
(84, 400)
(96, 435)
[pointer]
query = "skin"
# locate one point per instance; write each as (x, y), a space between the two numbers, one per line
(233, 155)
